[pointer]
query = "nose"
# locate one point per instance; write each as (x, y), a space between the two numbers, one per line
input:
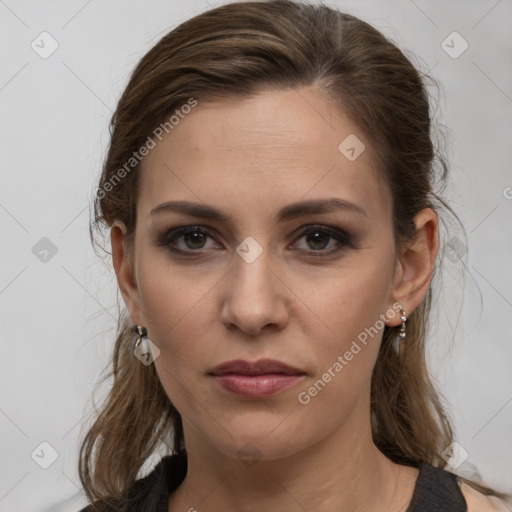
(255, 300)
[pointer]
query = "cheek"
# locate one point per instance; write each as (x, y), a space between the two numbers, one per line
(178, 309)
(355, 299)
(178, 314)
(353, 311)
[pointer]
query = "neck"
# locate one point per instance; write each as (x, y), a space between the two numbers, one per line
(343, 472)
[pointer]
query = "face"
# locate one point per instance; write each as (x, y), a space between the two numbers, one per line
(248, 284)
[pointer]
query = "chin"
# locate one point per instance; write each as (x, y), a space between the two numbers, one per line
(265, 441)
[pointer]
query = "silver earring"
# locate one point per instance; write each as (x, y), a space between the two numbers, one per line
(397, 341)
(141, 334)
(403, 317)
(144, 350)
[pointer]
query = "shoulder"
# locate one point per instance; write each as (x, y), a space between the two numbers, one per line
(151, 492)
(478, 502)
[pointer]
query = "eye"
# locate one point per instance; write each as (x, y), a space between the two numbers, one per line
(319, 238)
(193, 239)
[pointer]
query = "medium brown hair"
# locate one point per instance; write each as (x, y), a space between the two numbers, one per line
(238, 50)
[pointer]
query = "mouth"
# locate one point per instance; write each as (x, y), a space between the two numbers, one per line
(259, 379)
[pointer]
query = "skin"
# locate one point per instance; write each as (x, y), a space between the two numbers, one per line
(249, 158)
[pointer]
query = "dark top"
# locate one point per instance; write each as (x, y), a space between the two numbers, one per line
(436, 490)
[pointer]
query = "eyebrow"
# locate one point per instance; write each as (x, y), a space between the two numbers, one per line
(293, 210)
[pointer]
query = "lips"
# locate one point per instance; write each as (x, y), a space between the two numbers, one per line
(258, 379)
(260, 367)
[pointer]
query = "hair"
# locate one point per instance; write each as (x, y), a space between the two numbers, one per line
(236, 51)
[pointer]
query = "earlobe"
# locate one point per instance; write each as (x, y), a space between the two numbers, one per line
(415, 262)
(123, 266)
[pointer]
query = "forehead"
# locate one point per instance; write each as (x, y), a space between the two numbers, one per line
(277, 146)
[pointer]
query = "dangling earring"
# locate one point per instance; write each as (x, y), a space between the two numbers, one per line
(145, 351)
(403, 317)
(397, 342)
(142, 333)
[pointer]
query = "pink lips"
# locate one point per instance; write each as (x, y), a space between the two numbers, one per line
(259, 379)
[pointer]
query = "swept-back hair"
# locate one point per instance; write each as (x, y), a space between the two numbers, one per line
(237, 50)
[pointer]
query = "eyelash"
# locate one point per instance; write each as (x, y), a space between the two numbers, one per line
(343, 238)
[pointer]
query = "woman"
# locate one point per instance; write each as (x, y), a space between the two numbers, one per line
(274, 229)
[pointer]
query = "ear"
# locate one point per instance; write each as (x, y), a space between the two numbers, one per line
(123, 266)
(415, 264)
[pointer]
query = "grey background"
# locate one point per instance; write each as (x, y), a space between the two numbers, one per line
(58, 309)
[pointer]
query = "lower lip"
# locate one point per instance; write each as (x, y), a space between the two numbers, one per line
(257, 386)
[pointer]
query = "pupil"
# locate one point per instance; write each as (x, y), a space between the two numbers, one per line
(194, 237)
(317, 238)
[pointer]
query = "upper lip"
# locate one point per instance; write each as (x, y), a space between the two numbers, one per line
(260, 367)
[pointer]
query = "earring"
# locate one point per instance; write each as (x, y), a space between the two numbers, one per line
(397, 341)
(145, 350)
(403, 317)
(141, 335)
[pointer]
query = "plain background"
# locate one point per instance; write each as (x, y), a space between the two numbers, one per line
(58, 316)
